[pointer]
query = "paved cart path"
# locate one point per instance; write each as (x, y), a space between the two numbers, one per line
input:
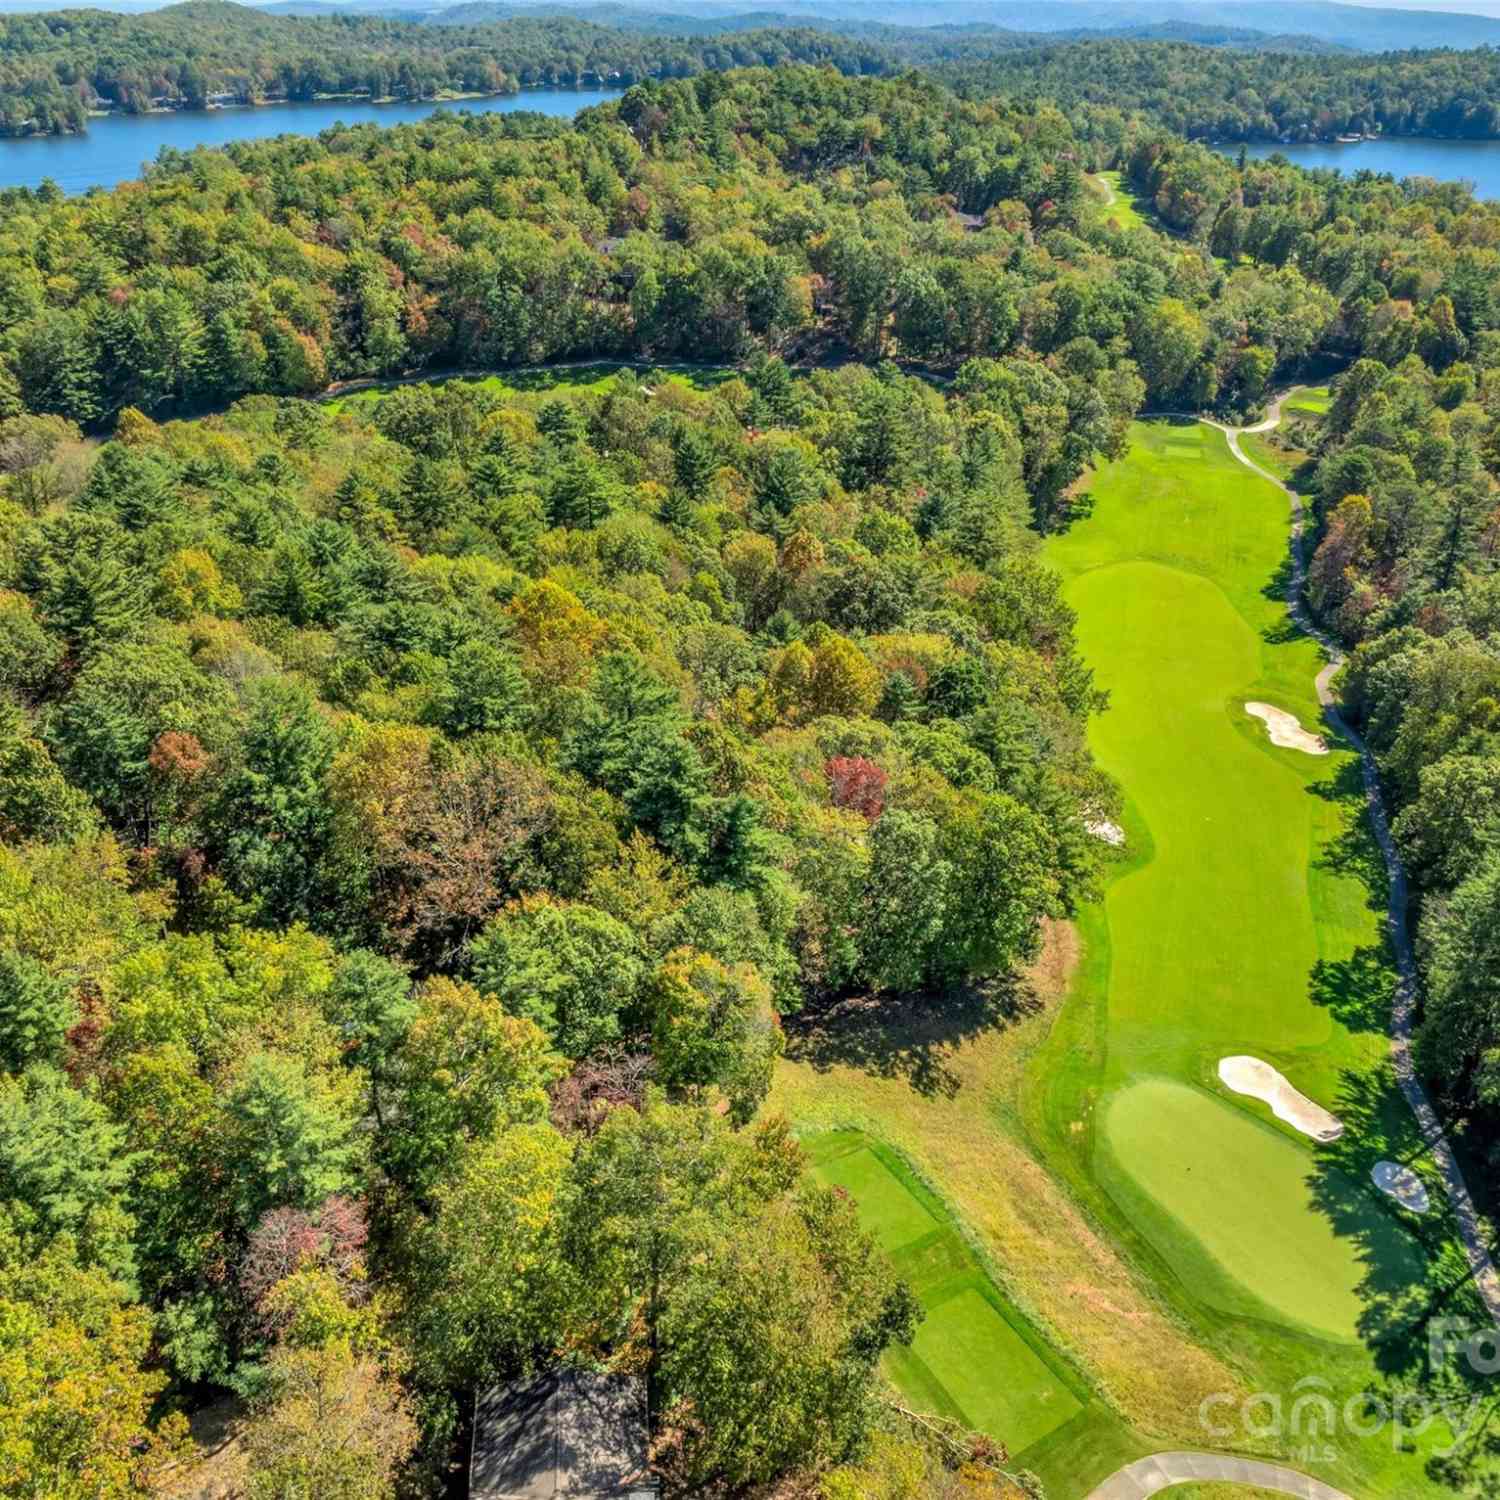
(1163, 1471)
(1150, 1476)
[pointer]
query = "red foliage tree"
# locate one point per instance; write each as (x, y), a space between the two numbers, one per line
(582, 1101)
(288, 1239)
(857, 783)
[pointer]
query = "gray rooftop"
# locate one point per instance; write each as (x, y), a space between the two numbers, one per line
(566, 1435)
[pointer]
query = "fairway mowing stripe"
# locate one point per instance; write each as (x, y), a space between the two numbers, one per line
(923, 1268)
(915, 1376)
(993, 1374)
(835, 1144)
(887, 1208)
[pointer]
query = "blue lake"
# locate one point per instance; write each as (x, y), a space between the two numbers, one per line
(1475, 162)
(116, 147)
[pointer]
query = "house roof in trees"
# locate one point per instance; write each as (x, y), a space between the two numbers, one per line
(566, 1435)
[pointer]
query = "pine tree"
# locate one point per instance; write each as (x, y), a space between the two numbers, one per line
(694, 462)
(676, 510)
(900, 700)
(578, 496)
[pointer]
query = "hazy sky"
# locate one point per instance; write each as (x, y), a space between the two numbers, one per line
(1468, 7)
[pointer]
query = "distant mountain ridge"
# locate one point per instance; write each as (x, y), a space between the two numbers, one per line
(1268, 24)
(1233, 22)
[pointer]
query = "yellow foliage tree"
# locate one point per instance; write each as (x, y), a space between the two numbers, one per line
(557, 635)
(189, 583)
(73, 1396)
(844, 683)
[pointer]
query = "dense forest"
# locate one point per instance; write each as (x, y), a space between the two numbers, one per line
(423, 814)
(56, 66)
(1408, 572)
(797, 212)
(1238, 95)
(419, 818)
(536, 756)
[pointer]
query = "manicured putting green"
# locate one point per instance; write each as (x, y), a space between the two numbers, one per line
(969, 1361)
(1237, 1208)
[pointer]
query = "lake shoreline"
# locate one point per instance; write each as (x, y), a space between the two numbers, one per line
(1442, 158)
(120, 147)
(434, 101)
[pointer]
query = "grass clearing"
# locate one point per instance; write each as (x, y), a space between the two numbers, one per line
(1271, 453)
(1310, 398)
(1118, 201)
(1221, 1492)
(591, 378)
(973, 1358)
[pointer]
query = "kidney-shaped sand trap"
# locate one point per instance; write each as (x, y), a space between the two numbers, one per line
(1249, 1075)
(1402, 1184)
(1285, 731)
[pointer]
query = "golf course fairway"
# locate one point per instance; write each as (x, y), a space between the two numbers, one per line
(1218, 1259)
(1245, 891)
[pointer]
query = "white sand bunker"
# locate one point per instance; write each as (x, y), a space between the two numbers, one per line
(1102, 828)
(1285, 730)
(1402, 1184)
(1249, 1075)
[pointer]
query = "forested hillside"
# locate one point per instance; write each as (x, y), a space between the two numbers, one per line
(1407, 572)
(395, 788)
(57, 66)
(797, 211)
(395, 785)
(1232, 94)
(535, 755)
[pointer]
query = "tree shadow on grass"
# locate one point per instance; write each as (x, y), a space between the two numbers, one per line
(1302, 480)
(1412, 1313)
(1357, 990)
(1354, 851)
(1413, 1268)
(1278, 588)
(907, 1037)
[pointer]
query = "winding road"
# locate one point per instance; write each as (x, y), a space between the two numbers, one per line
(1164, 1471)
